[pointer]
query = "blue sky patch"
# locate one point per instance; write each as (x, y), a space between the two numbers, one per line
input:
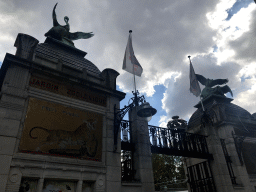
(243, 78)
(239, 4)
(215, 48)
(155, 101)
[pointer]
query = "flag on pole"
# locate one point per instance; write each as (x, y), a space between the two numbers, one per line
(194, 85)
(130, 63)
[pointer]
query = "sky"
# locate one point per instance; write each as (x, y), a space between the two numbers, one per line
(219, 36)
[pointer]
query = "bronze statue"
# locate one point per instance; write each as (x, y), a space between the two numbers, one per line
(209, 86)
(62, 33)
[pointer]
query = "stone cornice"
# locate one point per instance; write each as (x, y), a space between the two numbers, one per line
(36, 68)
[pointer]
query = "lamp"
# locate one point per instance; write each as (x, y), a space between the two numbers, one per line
(146, 111)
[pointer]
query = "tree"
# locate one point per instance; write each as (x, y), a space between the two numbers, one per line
(167, 168)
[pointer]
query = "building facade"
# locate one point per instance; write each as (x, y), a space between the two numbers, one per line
(231, 140)
(57, 115)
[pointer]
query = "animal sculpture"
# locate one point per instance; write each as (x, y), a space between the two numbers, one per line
(209, 86)
(82, 136)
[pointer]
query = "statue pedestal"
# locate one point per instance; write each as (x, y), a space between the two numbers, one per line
(65, 46)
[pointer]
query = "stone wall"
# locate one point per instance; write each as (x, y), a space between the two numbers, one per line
(16, 167)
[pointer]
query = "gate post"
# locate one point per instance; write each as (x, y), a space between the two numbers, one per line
(228, 172)
(141, 157)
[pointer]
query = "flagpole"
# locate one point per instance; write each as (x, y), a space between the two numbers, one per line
(135, 93)
(136, 98)
(200, 94)
(134, 82)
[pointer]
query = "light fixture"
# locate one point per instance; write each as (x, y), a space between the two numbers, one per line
(146, 111)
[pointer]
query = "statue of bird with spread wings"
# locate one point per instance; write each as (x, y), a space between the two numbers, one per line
(209, 86)
(62, 33)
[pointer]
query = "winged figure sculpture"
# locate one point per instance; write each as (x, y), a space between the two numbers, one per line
(211, 88)
(61, 32)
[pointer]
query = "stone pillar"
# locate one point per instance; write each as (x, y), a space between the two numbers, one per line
(40, 185)
(79, 186)
(225, 122)
(142, 158)
(12, 102)
(218, 165)
(25, 46)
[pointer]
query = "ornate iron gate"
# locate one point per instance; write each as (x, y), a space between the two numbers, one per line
(200, 178)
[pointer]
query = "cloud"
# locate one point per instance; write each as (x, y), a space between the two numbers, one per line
(244, 46)
(164, 34)
(179, 101)
(247, 99)
(231, 60)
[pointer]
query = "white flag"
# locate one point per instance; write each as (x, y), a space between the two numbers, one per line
(130, 63)
(194, 85)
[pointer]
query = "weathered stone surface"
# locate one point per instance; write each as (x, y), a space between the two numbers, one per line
(12, 102)
(142, 154)
(3, 181)
(9, 127)
(7, 145)
(25, 46)
(10, 114)
(113, 173)
(112, 186)
(110, 76)
(113, 159)
(5, 162)
(134, 187)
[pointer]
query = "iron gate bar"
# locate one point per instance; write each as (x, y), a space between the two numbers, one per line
(200, 178)
(228, 161)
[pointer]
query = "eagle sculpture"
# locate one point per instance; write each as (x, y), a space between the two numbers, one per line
(209, 86)
(61, 32)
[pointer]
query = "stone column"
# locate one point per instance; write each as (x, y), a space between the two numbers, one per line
(142, 158)
(218, 165)
(12, 103)
(79, 186)
(40, 185)
(25, 46)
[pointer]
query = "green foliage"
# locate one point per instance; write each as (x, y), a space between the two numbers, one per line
(167, 168)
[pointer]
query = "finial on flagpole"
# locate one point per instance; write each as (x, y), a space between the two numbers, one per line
(189, 56)
(130, 31)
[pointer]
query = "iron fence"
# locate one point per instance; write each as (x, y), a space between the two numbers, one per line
(169, 141)
(200, 178)
(228, 161)
(177, 140)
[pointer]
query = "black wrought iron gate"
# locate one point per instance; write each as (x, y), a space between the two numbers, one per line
(172, 142)
(200, 178)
